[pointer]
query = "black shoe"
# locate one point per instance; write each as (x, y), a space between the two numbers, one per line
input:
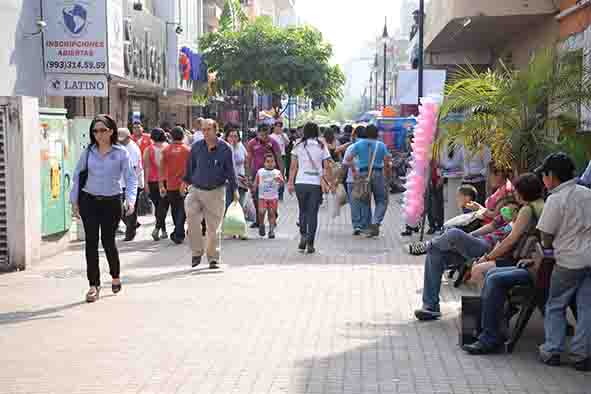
(156, 234)
(262, 231)
(373, 231)
(425, 314)
(116, 288)
(271, 233)
(213, 265)
(138, 225)
(195, 261)
(583, 365)
(129, 237)
(254, 225)
(356, 232)
(176, 240)
(311, 248)
(478, 348)
(553, 361)
(409, 231)
(302, 245)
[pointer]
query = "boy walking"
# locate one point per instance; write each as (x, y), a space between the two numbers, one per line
(268, 182)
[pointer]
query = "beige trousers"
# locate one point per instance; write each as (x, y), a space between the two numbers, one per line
(208, 204)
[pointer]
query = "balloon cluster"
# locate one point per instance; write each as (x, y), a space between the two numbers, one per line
(416, 180)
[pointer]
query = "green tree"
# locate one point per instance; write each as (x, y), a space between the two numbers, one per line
(233, 16)
(522, 115)
(292, 61)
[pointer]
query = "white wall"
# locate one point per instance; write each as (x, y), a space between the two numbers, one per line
(20, 56)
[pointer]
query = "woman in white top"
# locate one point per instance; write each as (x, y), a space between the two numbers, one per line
(310, 168)
(152, 158)
(240, 156)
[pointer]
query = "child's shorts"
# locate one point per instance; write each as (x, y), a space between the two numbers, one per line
(268, 204)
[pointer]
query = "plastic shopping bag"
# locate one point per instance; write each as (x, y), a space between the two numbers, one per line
(249, 208)
(234, 222)
(461, 220)
(341, 195)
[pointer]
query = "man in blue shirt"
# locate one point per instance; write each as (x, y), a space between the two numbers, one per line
(372, 154)
(209, 168)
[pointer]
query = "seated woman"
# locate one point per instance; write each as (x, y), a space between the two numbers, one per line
(499, 181)
(455, 246)
(532, 203)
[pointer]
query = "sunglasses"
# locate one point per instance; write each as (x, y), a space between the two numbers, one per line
(101, 131)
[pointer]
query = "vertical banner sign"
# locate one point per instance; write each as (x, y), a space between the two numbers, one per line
(75, 40)
(115, 37)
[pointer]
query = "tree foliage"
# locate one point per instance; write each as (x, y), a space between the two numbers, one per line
(520, 114)
(233, 17)
(292, 61)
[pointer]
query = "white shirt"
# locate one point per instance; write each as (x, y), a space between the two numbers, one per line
(567, 216)
(135, 158)
(281, 141)
(268, 184)
(239, 154)
(198, 136)
(310, 172)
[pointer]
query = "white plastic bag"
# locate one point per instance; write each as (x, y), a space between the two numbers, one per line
(341, 195)
(461, 220)
(234, 221)
(249, 208)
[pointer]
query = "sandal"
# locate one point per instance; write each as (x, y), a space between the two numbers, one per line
(116, 287)
(93, 294)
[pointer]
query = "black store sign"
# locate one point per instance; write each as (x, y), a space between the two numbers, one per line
(145, 48)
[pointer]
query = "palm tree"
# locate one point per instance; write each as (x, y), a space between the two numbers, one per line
(520, 114)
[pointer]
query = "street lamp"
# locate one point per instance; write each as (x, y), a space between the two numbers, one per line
(370, 90)
(385, 41)
(375, 66)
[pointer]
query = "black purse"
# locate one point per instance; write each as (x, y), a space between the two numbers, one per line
(83, 176)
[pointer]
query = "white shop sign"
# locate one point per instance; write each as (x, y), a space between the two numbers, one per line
(75, 40)
(115, 37)
(77, 85)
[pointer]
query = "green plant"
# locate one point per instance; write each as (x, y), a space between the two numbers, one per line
(520, 114)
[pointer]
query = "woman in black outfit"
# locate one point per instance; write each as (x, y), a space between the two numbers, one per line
(96, 198)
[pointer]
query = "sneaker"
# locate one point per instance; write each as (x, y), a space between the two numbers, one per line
(409, 231)
(176, 240)
(417, 248)
(163, 235)
(425, 314)
(195, 261)
(213, 265)
(356, 232)
(271, 232)
(479, 348)
(262, 231)
(155, 235)
(552, 360)
(311, 249)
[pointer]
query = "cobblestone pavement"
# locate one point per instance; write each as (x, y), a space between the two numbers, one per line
(272, 321)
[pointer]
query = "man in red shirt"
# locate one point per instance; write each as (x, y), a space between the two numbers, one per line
(257, 149)
(172, 170)
(142, 139)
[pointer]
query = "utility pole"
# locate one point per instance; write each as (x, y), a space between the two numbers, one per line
(385, 39)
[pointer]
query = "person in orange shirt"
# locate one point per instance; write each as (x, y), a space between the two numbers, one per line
(141, 138)
(172, 170)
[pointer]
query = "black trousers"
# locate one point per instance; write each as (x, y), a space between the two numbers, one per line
(435, 207)
(160, 205)
(177, 211)
(131, 220)
(309, 200)
(100, 216)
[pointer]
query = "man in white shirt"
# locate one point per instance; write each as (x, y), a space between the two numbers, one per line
(135, 157)
(282, 140)
(565, 226)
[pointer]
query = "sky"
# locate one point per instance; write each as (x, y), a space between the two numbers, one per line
(349, 24)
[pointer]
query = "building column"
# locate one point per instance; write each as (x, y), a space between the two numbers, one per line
(23, 180)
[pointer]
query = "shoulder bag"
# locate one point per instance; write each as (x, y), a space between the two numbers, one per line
(361, 185)
(527, 242)
(324, 185)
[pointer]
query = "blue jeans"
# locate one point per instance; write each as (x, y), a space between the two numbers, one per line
(566, 284)
(360, 212)
(378, 191)
(451, 248)
(497, 284)
(309, 199)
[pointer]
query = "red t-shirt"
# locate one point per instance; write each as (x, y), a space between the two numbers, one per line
(174, 165)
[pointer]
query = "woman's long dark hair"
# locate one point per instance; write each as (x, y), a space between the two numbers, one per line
(311, 131)
(229, 129)
(109, 123)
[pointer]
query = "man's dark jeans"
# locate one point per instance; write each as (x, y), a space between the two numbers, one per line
(309, 200)
(435, 206)
(177, 211)
(131, 220)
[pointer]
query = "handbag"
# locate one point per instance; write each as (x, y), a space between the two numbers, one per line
(361, 187)
(83, 175)
(324, 184)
